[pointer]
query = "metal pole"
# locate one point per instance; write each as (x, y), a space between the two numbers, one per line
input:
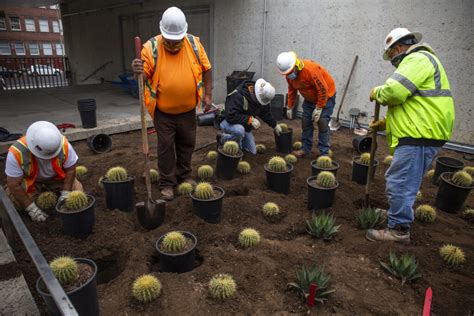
(263, 35)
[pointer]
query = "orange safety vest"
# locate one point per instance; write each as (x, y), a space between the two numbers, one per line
(28, 163)
(150, 53)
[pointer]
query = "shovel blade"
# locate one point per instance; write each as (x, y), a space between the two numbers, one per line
(334, 124)
(151, 214)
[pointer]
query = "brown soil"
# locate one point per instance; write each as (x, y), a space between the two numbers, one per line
(123, 250)
(85, 273)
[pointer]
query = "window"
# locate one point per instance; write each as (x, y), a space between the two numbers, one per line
(30, 25)
(55, 26)
(47, 49)
(44, 26)
(5, 48)
(34, 49)
(15, 23)
(20, 49)
(3, 26)
(59, 49)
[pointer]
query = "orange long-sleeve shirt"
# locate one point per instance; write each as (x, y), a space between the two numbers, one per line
(314, 83)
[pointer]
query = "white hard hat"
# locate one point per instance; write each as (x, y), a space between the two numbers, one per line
(395, 35)
(286, 62)
(44, 139)
(264, 91)
(173, 25)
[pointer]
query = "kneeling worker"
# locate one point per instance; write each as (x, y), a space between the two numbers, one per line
(43, 159)
(242, 107)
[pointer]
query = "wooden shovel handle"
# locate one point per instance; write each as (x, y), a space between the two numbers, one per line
(373, 148)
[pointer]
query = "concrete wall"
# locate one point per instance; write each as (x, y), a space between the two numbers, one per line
(331, 32)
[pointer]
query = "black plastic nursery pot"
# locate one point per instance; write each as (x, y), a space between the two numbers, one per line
(177, 262)
(226, 165)
(315, 170)
(84, 298)
(209, 210)
(78, 224)
(279, 181)
(446, 164)
(319, 198)
(100, 143)
(284, 142)
(360, 171)
(450, 197)
(362, 143)
(87, 109)
(119, 195)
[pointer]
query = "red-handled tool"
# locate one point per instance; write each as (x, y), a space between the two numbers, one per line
(312, 294)
(428, 300)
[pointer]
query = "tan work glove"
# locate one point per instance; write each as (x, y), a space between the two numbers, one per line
(377, 126)
(36, 214)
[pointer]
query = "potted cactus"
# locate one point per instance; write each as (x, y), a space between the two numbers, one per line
(77, 276)
(228, 158)
(360, 168)
(453, 190)
(321, 190)
(445, 164)
(284, 141)
(207, 202)
(77, 214)
(119, 189)
(278, 174)
(323, 163)
(176, 251)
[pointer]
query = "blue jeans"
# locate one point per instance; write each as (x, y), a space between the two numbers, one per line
(236, 132)
(403, 179)
(323, 126)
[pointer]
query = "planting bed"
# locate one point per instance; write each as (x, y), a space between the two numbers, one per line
(123, 250)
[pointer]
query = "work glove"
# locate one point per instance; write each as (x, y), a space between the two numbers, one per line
(36, 214)
(316, 114)
(255, 123)
(373, 94)
(63, 196)
(289, 113)
(277, 130)
(376, 126)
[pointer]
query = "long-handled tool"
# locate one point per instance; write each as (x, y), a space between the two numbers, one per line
(150, 213)
(334, 124)
(373, 147)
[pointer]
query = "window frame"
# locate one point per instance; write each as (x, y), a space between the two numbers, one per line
(26, 25)
(50, 47)
(61, 45)
(11, 23)
(37, 49)
(4, 28)
(9, 49)
(16, 50)
(47, 24)
(57, 25)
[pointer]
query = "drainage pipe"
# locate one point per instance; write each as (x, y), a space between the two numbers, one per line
(265, 12)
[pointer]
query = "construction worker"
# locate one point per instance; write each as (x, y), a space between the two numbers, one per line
(176, 69)
(317, 87)
(420, 119)
(41, 160)
(242, 107)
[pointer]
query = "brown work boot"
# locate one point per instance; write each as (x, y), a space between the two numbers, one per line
(190, 181)
(300, 153)
(167, 193)
(388, 234)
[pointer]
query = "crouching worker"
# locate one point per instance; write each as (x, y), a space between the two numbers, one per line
(43, 160)
(242, 107)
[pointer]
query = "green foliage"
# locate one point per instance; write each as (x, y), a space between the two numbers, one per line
(452, 255)
(322, 226)
(222, 286)
(249, 237)
(291, 159)
(231, 148)
(326, 179)
(430, 174)
(364, 159)
(297, 145)
(184, 188)
(388, 160)
(284, 128)
(146, 288)
(81, 171)
(313, 274)
(404, 268)
(277, 164)
(324, 162)
(154, 176)
(46, 200)
(205, 172)
(425, 213)
(243, 167)
(116, 174)
(212, 155)
(462, 178)
(470, 170)
(76, 200)
(173, 242)
(261, 148)
(204, 191)
(65, 269)
(370, 217)
(271, 209)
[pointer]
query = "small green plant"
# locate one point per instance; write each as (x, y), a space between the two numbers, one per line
(313, 274)
(326, 179)
(154, 176)
(173, 242)
(261, 148)
(146, 288)
(100, 183)
(452, 255)
(270, 209)
(462, 178)
(470, 170)
(212, 155)
(243, 167)
(65, 269)
(425, 213)
(47, 200)
(430, 174)
(364, 159)
(249, 237)
(324, 162)
(291, 159)
(297, 145)
(204, 191)
(222, 286)
(116, 174)
(205, 172)
(388, 160)
(76, 200)
(184, 188)
(369, 218)
(231, 148)
(468, 215)
(284, 127)
(277, 164)
(419, 196)
(322, 226)
(81, 171)
(404, 268)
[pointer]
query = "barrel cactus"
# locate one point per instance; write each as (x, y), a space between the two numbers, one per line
(284, 127)
(100, 183)
(261, 148)
(81, 171)
(324, 162)
(173, 242)
(154, 176)
(243, 167)
(249, 237)
(388, 160)
(185, 188)
(470, 170)
(291, 159)
(430, 174)
(205, 172)
(46, 200)
(146, 288)
(277, 164)
(297, 145)
(270, 209)
(419, 196)
(231, 148)
(212, 155)
(204, 191)
(65, 269)
(462, 179)
(117, 174)
(222, 286)
(425, 213)
(326, 179)
(330, 153)
(76, 200)
(364, 159)
(468, 215)
(452, 255)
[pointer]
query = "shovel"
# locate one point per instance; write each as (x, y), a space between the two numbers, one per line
(373, 147)
(334, 124)
(150, 213)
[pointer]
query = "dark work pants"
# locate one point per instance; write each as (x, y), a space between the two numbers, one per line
(176, 140)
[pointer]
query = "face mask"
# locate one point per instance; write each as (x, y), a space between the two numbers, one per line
(293, 75)
(397, 60)
(173, 48)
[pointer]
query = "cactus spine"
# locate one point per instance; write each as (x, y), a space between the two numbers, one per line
(185, 188)
(173, 242)
(261, 148)
(324, 162)
(425, 213)
(212, 155)
(326, 179)
(243, 167)
(205, 172)
(204, 191)
(297, 145)
(284, 127)
(231, 148)
(462, 178)
(222, 286)
(117, 174)
(388, 160)
(364, 159)
(81, 171)
(452, 255)
(154, 176)
(277, 164)
(291, 159)
(271, 209)
(76, 200)
(249, 237)
(47, 200)
(65, 269)
(146, 288)
(470, 170)
(419, 196)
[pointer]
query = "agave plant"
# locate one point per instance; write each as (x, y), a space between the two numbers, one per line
(404, 268)
(370, 218)
(322, 226)
(307, 275)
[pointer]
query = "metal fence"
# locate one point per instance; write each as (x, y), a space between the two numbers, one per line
(18, 73)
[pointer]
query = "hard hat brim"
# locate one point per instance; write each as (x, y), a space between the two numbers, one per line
(417, 35)
(173, 37)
